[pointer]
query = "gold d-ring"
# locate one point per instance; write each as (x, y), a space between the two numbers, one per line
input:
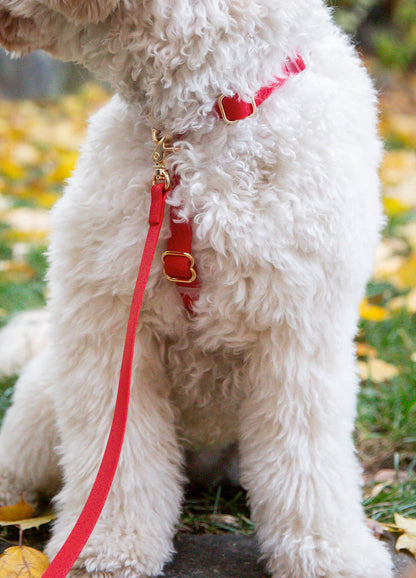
(223, 113)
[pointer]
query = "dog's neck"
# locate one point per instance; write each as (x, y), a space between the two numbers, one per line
(175, 57)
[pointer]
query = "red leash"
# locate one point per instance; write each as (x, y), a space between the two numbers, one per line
(181, 271)
(71, 549)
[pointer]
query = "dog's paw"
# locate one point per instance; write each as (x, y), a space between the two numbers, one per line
(114, 566)
(81, 572)
(367, 560)
(360, 557)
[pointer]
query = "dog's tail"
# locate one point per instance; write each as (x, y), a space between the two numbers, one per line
(21, 339)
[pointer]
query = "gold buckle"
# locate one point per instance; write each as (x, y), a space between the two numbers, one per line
(191, 266)
(224, 116)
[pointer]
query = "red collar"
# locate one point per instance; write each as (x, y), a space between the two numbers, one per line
(231, 109)
(179, 265)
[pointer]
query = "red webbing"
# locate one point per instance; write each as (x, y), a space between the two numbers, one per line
(236, 109)
(84, 526)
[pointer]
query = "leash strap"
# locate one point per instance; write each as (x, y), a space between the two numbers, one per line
(85, 524)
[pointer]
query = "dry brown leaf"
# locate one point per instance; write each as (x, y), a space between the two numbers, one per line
(226, 519)
(390, 476)
(377, 370)
(407, 541)
(377, 529)
(20, 511)
(22, 562)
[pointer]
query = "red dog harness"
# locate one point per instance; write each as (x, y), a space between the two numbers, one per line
(180, 269)
(179, 264)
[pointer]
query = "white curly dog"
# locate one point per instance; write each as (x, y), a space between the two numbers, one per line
(286, 216)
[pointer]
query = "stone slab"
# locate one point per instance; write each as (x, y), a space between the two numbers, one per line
(236, 556)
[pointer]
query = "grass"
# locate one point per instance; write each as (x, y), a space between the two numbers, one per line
(397, 498)
(215, 511)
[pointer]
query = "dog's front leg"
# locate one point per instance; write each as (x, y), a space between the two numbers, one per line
(133, 537)
(298, 460)
(28, 440)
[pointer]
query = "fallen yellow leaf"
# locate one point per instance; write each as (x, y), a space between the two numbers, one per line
(27, 524)
(406, 275)
(407, 525)
(22, 562)
(377, 370)
(372, 312)
(394, 206)
(407, 541)
(19, 511)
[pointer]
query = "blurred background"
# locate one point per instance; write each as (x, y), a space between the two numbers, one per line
(44, 106)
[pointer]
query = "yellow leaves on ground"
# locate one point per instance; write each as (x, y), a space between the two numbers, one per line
(396, 258)
(398, 175)
(407, 541)
(19, 511)
(365, 350)
(29, 523)
(373, 368)
(404, 127)
(393, 207)
(21, 514)
(22, 562)
(372, 312)
(406, 527)
(377, 370)
(39, 144)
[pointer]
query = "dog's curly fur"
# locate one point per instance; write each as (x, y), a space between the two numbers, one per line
(286, 219)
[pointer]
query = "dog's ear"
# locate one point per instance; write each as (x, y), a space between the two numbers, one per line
(17, 33)
(82, 11)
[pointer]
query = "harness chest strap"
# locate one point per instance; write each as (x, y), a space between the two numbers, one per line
(179, 264)
(74, 544)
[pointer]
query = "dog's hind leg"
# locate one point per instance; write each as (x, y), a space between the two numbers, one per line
(28, 460)
(298, 461)
(133, 537)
